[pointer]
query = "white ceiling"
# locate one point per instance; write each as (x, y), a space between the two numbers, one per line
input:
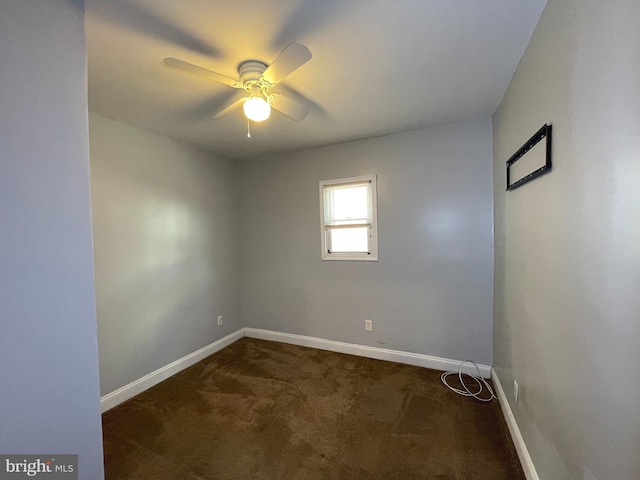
(378, 66)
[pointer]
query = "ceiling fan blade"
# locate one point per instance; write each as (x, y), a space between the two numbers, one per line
(234, 102)
(291, 58)
(201, 72)
(291, 108)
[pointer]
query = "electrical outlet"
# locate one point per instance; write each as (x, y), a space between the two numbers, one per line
(368, 325)
(219, 319)
(516, 391)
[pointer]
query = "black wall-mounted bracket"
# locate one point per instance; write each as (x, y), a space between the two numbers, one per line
(543, 133)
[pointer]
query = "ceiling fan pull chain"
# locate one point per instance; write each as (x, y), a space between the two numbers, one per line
(248, 128)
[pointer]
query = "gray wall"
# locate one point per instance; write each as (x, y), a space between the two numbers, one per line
(49, 399)
(431, 290)
(166, 249)
(567, 270)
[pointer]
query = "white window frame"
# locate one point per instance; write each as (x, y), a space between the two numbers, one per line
(372, 255)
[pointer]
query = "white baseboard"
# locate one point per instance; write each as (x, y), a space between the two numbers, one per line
(123, 394)
(521, 447)
(417, 359)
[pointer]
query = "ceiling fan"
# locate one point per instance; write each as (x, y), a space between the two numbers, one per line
(257, 82)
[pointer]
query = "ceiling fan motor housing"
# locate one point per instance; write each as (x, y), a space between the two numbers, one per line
(251, 71)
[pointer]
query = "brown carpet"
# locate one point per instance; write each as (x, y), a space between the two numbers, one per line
(266, 410)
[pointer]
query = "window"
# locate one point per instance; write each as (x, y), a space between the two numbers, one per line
(348, 219)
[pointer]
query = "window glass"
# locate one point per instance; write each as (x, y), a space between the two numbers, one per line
(349, 239)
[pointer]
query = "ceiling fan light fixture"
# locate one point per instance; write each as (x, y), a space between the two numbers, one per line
(257, 109)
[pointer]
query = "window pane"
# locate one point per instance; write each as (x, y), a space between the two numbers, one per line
(347, 204)
(349, 239)
(350, 203)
